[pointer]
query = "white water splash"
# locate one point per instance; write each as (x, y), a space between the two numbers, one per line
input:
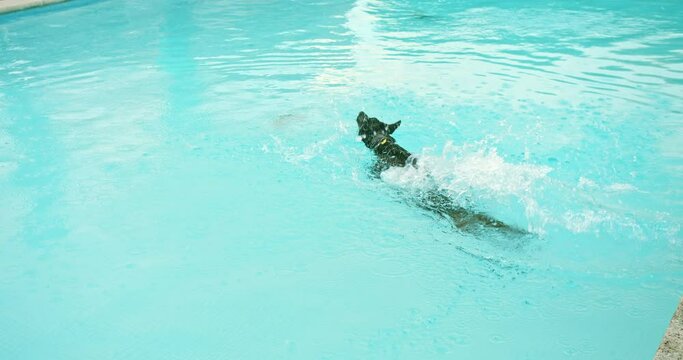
(476, 175)
(585, 183)
(582, 221)
(469, 170)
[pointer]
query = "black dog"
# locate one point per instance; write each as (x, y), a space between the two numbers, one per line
(376, 135)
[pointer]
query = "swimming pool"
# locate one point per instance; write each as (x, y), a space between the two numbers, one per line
(183, 179)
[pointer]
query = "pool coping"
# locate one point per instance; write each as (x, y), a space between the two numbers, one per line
(7, 6)
(671, 347)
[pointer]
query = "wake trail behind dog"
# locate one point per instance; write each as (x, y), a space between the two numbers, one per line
(474, 178)
(525, 195)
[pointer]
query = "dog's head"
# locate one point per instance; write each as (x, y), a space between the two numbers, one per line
(371, 130)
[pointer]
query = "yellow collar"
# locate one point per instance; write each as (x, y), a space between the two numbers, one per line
(385, 139)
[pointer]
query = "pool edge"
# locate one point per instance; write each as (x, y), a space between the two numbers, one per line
(671, 346)
(7, 6)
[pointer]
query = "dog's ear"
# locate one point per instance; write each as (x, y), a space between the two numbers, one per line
(392, 127)
(362, 117)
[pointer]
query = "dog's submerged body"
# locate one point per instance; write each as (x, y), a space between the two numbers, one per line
(376, 135)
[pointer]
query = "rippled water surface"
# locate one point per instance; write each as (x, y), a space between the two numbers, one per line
(183, 179)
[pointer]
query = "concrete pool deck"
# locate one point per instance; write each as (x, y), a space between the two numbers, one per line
(16, 5)
(671, 347)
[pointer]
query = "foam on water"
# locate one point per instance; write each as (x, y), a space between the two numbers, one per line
(477, 177)
(473, 174)
(470, 169)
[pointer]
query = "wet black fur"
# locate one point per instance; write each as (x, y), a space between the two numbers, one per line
(376, 135)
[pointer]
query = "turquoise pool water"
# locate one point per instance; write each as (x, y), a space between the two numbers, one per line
(182, 179)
